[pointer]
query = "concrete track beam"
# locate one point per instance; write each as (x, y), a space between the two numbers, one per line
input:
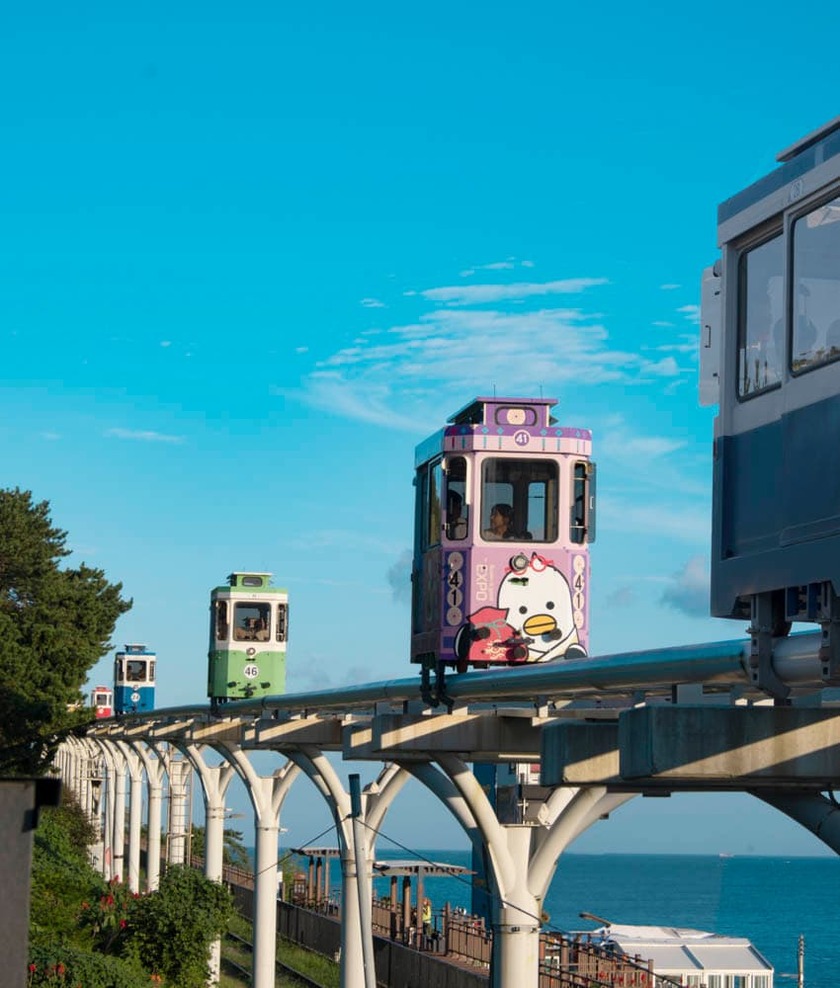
(579, 753)
(473, 737)
(696, 748)
(744, 745)
(323, 733)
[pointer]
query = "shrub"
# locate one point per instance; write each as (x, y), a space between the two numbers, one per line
(171, 929)
(62, 877)
(68, 967)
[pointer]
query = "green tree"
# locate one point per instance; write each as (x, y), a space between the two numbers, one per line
(55, 624)
(63, 881)
(234, 852)
(171, 929)
(66, 895)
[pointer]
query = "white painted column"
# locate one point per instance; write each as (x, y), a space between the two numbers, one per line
(265, 902)
(135, 814)
(153, 829)
(118, 837)
(155, 764)
(109, 785)
(214, 783)
(516, 923)
(214, 843)
(96, 803)
(267, 795)
(352, 968)
(176, 852)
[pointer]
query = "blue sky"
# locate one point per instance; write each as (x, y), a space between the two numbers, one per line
(253, 256)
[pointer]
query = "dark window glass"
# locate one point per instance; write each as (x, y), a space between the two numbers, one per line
(761, 324)
(519, 499)
(221, 621)
(457, 508)
(252, 621)
(815, 300)
(282, 622)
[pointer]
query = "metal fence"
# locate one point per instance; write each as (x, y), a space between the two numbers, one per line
(455, 936)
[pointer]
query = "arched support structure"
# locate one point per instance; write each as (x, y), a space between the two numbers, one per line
(376, 798)
(521, 858)
(114, 830)
(178, 771)
(813, 810)
(155, 767)
(135, 811)
(214, 785)
(267, 795)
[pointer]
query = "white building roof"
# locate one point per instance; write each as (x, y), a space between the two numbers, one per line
(684, 951)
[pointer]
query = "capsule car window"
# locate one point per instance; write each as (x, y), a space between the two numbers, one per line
(761, 324)
(816, 287)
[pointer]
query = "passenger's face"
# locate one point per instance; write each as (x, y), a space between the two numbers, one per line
(498, 522)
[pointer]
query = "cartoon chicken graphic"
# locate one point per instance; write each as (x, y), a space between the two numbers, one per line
(532, 620)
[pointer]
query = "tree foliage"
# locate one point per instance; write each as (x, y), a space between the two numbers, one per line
(55, 624)
(234, 852)
(84, 931)
(173, 928)
(62, 877)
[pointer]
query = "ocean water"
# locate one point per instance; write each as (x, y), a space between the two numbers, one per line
(769, 900)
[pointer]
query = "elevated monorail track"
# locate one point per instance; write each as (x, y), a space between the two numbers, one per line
(716, 666)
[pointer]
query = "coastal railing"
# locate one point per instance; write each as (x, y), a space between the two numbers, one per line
(462, 939)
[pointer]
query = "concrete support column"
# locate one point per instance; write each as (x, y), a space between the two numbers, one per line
(516, 923)
(214, 841)
(118, 838)
(96, 796)
(266, 795)
(214, 784)
(265, 904)
(82, 771)
(352, 974)
(214, 844)
(109, 800)
(155, 796)
(176, 851)
(135, 815)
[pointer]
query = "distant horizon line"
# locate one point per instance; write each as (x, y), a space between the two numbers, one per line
(716, 855)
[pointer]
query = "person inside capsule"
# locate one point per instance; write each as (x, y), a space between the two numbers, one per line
(501, 523)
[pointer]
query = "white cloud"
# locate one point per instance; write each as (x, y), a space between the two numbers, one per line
(144, 436)
(51, 436)
(399, 577)
(670, 286)
(372, 303)
(399, 376)
(625, 596)
(639, 447)
(662, 324)
(689, 589)
(481, 294)
(691, 312)
(165, 343)
(667, 367)
(684, 523)
(689, 345)
(507, 265)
